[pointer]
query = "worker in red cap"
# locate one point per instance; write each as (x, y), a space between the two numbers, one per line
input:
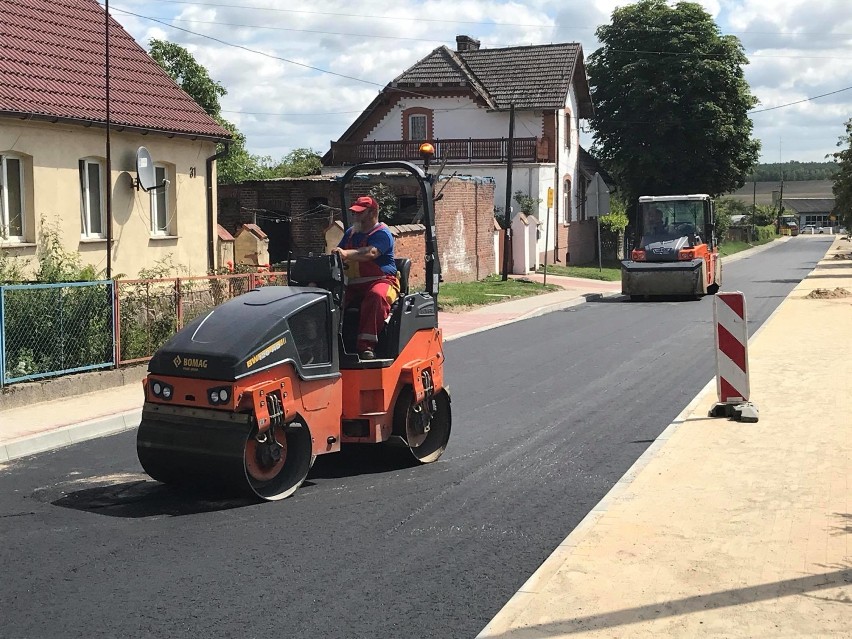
(367, 253)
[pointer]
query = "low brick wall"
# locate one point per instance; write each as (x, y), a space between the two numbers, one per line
(463, 218)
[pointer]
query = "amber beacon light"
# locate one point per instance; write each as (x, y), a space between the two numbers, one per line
(427, 152)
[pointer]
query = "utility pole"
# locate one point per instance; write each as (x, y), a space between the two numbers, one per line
(753, 206)
(507, 233)
(108, 151)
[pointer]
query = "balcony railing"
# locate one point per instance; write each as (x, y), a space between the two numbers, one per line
(456, 151)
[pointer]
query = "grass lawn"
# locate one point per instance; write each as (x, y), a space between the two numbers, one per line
(462, 296)
(611, 271)
(459, 296)
(729, 248)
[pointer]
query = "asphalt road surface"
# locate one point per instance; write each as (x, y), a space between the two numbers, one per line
(547, 415)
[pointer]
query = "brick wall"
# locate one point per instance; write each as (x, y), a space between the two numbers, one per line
(464, 218)
(582, 242)
(559, 238)
(409, 242)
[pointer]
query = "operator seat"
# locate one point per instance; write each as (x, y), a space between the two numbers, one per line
(351, 315)
(403, 268)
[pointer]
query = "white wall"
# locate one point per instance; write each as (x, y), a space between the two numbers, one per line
(459, 118)
(53, 184)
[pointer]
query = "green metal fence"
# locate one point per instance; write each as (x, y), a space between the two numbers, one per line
(54, 329)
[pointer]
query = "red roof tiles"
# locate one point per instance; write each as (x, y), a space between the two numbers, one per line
(52, 66)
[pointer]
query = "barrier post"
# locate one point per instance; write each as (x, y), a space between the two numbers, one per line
(730, 322)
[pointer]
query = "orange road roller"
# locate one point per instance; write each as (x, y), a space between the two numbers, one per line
(247, 395)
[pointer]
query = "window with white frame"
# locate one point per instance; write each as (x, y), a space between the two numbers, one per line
(92, 200)
(417, 127)
(160, 214)
(11, 198)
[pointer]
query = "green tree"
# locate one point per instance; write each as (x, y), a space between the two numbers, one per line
(387, 201)
(239, 165)
(613, 226)
(763, 215)
(671, 102)
(843, 182)
(794, 171)
(188, 74)
(527, 203)
(300, 162)
(726, 208)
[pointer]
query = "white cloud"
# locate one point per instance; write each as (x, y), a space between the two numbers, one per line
(797, 50)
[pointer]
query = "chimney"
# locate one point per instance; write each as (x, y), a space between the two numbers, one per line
(466, 43)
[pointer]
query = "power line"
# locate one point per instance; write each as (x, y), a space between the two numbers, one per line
(409, 39)
(474, 22)
(781, 106)
(239, 46)
(412, 93)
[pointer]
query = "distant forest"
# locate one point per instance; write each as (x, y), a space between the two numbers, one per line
(794, 171)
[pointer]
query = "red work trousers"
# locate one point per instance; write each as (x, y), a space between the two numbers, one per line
(375, 298)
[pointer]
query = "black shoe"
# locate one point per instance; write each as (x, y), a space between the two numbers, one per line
(368, 354)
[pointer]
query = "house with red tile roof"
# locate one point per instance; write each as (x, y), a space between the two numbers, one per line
(70, 159)
(461, 100)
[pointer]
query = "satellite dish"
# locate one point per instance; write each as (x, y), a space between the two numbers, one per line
(145, 176)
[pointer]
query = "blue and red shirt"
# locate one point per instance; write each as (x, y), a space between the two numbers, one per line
(380, 237)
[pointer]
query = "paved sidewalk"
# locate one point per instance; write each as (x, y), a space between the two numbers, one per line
(725, 529)
(41, 426)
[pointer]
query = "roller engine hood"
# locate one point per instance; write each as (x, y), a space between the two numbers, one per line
(245, 334)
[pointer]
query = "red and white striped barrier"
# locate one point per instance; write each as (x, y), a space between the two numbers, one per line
(732, 378)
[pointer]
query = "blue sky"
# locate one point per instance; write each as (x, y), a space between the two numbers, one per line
(298, 73)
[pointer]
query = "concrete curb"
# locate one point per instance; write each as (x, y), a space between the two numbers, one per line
(69, 435)
(51, 388)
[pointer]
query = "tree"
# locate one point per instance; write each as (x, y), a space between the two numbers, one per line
(671, 102)
(613, 226)
(386, 199)
(188, 74)
(300, 162)
(527, 203)
(238, 165)
(843, 182)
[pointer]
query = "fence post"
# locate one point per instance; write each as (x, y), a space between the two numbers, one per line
(61, 328)
(116, 323)
(2, 336)
(179, 302)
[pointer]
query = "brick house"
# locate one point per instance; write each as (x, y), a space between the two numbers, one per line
(461, 102)
(300, 214)
(57, 169)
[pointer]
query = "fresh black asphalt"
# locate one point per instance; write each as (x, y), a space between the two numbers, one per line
(547, 415)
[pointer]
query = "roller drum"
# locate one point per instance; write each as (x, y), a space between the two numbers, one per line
(222, 451)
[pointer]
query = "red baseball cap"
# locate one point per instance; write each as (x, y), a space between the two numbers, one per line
(364, 203)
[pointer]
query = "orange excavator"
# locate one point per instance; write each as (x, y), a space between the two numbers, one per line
(249, 394)
(675, 250)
